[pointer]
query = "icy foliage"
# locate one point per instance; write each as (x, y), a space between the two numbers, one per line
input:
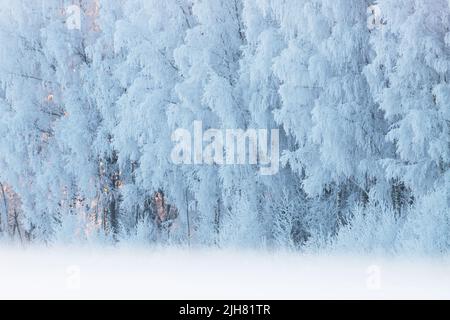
(90, 98)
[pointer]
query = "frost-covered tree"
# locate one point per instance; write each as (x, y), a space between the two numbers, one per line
(327, 106)
(80, 126)
(147, 36)
(208, 62)
(29, 113)
(260, 90)
(409, 78)
(104, 90)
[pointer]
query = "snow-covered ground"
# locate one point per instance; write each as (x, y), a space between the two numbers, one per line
(199, 274)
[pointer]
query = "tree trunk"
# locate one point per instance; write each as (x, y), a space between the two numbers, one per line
(188, 219)
(17, 226)
(4, 216)
(217, 221)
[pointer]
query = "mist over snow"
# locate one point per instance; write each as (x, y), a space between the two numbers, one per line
(127, 273)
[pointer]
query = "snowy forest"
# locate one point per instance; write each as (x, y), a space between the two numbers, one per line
(91, 92)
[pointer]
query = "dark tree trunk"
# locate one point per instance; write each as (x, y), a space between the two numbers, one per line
(5, 203)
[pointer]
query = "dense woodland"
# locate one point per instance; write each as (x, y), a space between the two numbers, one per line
(359, 90)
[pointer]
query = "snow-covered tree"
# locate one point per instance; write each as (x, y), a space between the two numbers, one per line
(28, 116)
(208, 61)
(327, 106)
(147, 36)
(409, 78)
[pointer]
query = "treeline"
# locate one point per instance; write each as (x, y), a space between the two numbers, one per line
(92, 91)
